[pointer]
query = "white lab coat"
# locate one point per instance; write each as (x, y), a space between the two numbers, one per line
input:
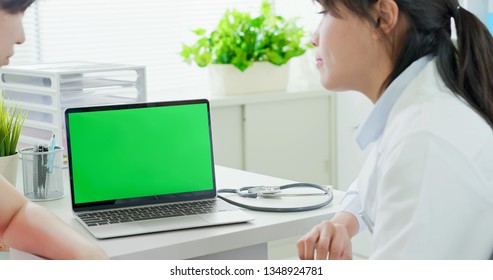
(427, 184)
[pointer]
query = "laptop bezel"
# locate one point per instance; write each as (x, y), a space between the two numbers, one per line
(146, 200)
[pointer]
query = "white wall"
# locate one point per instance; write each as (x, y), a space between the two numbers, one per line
(478, 7)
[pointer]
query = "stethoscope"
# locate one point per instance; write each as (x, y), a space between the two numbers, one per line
(271, 191)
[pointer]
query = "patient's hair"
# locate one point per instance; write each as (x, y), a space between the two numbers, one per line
(15, 6)
(465, 67)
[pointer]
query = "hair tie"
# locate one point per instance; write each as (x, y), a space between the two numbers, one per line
(456, 12)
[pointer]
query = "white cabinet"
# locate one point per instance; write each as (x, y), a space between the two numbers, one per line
(227, 135)
(283, 135)
(290, 139)
(351, 110)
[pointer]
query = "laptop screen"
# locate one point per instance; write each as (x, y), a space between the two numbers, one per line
(140, 152)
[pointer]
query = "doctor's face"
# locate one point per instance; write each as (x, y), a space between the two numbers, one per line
(345, 51)
(11, 33)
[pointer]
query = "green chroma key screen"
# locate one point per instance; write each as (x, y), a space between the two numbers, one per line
(138, 152)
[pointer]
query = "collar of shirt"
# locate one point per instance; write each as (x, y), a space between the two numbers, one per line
(373, 126)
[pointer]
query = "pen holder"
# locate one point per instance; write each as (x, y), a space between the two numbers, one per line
(42, 173)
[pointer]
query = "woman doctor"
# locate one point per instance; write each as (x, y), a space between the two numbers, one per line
(426, 189)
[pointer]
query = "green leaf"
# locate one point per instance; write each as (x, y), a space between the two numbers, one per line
(12, 119)
(241, 39)
(199, 32)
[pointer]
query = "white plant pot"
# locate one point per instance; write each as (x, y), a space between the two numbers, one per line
(8, 168)
(225, 79)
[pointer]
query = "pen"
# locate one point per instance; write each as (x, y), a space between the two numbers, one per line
(51, 155)
(44, 172)
(39, 162)
(36, 170)
(40, 169)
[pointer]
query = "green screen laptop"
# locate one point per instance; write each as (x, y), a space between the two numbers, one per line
(146, 167)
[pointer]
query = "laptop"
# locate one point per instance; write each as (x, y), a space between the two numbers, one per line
(144, 167)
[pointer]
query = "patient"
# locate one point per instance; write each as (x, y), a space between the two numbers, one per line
(25, 225)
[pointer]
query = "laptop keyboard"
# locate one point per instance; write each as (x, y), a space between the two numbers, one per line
(154, 212)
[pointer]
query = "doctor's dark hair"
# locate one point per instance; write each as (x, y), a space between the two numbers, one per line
(465, 67)
(15, 6)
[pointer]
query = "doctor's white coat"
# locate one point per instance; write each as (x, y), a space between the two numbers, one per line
(427, 184)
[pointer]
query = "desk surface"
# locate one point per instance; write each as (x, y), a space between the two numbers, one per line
(194, 243)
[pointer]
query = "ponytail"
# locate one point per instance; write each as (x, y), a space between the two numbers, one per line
(468, 70)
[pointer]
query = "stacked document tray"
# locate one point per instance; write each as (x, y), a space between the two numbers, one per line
(46, 90)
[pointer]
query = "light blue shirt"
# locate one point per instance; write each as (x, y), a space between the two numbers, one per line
(374, 125)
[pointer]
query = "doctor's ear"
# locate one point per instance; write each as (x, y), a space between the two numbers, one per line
(386, 13)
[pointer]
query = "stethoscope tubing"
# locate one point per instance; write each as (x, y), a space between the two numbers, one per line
(241, 192)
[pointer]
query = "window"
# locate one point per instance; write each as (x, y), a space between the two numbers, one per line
(482, 9)
(145, 32)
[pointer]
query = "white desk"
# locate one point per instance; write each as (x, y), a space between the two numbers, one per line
(238, 241)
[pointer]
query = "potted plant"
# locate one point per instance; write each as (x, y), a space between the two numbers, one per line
(11, 121)
(241, 43)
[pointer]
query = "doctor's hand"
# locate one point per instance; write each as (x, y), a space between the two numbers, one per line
(330, 239)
